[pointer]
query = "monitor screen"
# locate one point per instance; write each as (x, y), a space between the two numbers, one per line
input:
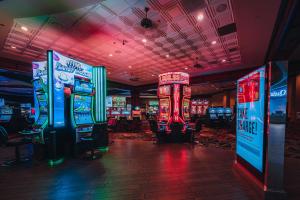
(212, 113)
(83, 109)
(220, 111)
(250, 118)
(186, 109)
(164, 90)
(41, 120)
(83, 86)
(5, 117)
(164, 109)
(43, 105)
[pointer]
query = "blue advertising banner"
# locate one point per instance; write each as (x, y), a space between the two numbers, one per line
(250, 118)
(64, 71)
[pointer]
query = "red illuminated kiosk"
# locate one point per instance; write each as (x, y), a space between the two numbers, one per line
(174, 95)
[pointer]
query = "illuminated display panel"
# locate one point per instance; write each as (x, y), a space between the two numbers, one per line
(187, 91)
(174, 78)
(164, 91)
(212, 113)
(164, 109)
(118, 101)
(83, 86)
(250, 118)
(82, 110)
(186, 109)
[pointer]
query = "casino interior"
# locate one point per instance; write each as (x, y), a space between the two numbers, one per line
(150, 99)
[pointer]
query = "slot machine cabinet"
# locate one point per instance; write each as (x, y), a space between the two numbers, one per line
(174, 95)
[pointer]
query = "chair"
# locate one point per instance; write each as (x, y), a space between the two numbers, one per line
(14, 142)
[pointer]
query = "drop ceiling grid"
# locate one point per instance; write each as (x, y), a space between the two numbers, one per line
(183, 38)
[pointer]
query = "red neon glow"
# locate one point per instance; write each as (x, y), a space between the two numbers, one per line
(164, 109)
(176, 102)
(248, 89)
(164, 91)
(174, 78)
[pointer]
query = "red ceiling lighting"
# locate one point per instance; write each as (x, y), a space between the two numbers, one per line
(214, 42)
(13, 47)
(144, 40)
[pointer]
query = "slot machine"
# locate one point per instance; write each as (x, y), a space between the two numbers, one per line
(41, 109)
(81, 102)
(174, 95)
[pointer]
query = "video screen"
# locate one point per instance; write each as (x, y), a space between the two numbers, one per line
(164, 90)
(38, 85)
(228, 112)
(83, 86)
(220, 112)
(43, 105)
(164, 109)
(250, 118)
(83, 109)
(212, 113)
(186, 109)
(41, 120)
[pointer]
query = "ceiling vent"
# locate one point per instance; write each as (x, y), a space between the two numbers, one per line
(193, 6)
(227, 29)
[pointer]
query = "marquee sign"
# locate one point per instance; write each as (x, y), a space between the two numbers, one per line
(174, 77)
(39, 70)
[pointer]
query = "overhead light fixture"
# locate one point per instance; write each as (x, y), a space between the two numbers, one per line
(13, 47)
(144, 40)
(24, 28)
(167, 56)
(152, 75)
(110, 55)
(108, 72)
(129, 66)
(214, 42)
(223, 60)
(200, 17)
(186, 68)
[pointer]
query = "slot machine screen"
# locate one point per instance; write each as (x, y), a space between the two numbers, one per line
(220, 112)
(43, 105)
(5, 113)
(228, 112)
(164, 109)
(164, 90)
(186, 109)
(212, 113)
(83, 86)
(82, 109)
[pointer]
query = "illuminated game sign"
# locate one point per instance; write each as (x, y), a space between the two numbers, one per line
(39, 70)
(164, 112)
(164, 90)
(187, 91)
(64, 70)
(250, 118)
(174, 77)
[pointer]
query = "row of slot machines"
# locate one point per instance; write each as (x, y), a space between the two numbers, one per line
(219, 113)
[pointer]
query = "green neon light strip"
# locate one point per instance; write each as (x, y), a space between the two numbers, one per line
(99, 79)
(50, 87)
(53, 163)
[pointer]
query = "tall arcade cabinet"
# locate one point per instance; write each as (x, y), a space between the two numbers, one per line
(64, 78)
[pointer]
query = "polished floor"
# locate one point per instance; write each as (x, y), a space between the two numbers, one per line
(133, 169)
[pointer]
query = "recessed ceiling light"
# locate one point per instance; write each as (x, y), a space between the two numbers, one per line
(13, 47)
(200, 17)
(24, 28)
(167, 56)
(223, 60)
(108, 72)
(110, 55)
(214, 42)
(152, 75)
(144, 40)
(186, 68)
(129, 66)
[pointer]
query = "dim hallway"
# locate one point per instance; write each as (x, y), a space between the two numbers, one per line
(133, 169)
